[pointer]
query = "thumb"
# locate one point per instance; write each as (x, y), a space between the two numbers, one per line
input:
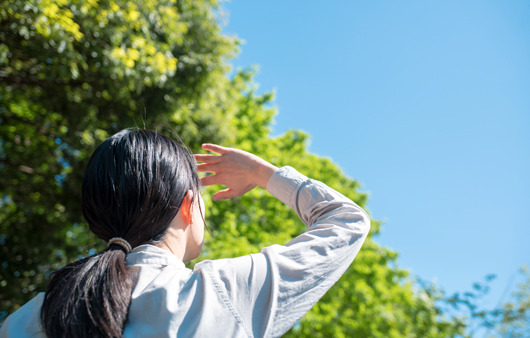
(224, 194)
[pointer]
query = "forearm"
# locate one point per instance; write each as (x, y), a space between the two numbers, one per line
(305, 268)
(312, 200)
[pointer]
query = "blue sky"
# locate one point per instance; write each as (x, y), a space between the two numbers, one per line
(426, 103)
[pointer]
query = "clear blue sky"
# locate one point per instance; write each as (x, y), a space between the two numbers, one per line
(426, 103)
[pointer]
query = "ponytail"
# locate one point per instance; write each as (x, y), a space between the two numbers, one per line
(90, 297)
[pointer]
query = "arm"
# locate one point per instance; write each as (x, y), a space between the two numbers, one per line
(274, 289)
(306, 267)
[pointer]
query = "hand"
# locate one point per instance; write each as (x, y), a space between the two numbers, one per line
(236, 169)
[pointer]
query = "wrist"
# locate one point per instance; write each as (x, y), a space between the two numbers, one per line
(264, 172)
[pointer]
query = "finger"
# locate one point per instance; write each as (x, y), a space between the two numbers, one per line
(207, 158)
(215, 148)
(207, 168)
(210, 180)
(224, 194)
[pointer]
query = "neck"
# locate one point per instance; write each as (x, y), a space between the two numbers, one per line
(174, 242)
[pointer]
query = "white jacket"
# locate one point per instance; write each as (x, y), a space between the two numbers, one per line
(259, 295)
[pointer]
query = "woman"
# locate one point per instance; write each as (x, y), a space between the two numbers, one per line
(141, 196)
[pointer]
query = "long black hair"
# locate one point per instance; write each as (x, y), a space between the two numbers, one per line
(133, 187)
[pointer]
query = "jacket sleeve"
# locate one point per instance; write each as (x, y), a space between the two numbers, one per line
(270, 291)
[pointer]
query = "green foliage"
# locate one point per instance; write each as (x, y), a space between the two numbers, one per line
(515, 320)
(74, 72)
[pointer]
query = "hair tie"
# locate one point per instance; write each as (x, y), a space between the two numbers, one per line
(121, 242)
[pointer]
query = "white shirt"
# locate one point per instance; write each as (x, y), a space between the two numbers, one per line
(259, 295)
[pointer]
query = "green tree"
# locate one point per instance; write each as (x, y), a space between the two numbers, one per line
(73, 72)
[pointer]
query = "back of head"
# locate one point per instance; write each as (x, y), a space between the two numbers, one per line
(133, 187)
(134, 184)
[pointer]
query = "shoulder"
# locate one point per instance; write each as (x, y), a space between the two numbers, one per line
(25, 322)
(233, 269)
(238, 281)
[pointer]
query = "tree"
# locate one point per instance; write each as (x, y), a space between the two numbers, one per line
(74, 72)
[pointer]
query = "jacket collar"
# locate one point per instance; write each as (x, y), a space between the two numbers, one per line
(148, 254)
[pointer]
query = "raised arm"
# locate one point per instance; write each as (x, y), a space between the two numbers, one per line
(272, 290)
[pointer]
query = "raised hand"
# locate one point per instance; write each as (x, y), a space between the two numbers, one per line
(236, 169)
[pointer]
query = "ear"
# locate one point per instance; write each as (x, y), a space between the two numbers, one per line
(185, 207)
